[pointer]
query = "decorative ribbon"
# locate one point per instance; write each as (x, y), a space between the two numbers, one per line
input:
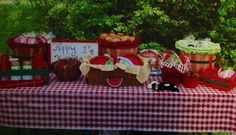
(213, 81)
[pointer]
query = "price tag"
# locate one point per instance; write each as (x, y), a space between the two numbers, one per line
(60, 49)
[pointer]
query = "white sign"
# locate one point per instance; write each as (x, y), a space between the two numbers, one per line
(72, 49)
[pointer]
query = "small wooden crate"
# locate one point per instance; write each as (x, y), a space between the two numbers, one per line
(44, 72)
(27, 51)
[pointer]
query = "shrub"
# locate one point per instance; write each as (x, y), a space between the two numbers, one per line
(158, 21)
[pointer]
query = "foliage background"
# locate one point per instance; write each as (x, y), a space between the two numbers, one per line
(161, 22)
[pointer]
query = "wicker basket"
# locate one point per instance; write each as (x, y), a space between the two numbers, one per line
(201, 61)
(101, 70)
(98, 77)
(21, 50)
(119, 48)
(202, 54)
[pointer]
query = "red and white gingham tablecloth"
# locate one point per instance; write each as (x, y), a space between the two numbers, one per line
(77, 105)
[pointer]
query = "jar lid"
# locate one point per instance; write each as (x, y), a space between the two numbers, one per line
(14, 63)
(27, 62)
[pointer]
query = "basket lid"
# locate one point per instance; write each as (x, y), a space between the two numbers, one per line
(100, 60)
(134, 59)
(198, 46)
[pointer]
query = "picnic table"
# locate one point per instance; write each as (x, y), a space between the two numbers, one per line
(77, 105)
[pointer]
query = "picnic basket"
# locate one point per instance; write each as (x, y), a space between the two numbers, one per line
(173, 66)
(128, 70)
(120, 47)
(210, 77)
(24, 50)
(200, 52)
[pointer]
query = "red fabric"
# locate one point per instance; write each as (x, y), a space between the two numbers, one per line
(99, 60)
(21, 83)
(190, 81)
(171, 75)
(4, 62)
(38, 61)
(77, 105)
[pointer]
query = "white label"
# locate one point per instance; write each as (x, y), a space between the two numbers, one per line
(61, 50)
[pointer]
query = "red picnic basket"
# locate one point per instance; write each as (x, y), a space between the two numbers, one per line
(118, 44)
(211, 77)
(129, 70)
(24, 50)
(27, 44)
(173, 67)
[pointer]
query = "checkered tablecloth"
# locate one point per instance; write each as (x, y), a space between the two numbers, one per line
(77, 105)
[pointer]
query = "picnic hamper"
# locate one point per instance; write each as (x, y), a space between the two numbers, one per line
(210, 77)
(173, 66)
(128, 70)
(26, 44)
(24, 50)
(118, 44)
(200, 52)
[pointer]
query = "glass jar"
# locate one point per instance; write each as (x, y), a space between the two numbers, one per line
(15, 65)
(27, 65)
